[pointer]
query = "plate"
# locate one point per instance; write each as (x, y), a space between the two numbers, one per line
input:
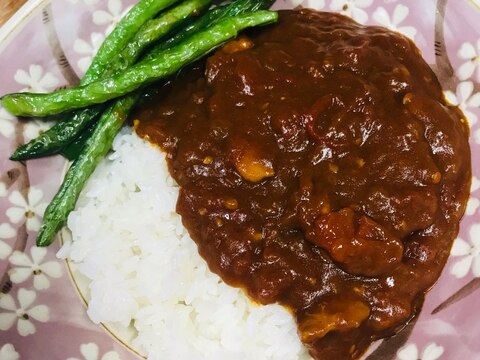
(49, 44)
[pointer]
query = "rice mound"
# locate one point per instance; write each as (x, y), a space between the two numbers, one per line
(145, 271)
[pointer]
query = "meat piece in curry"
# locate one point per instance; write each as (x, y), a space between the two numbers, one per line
(320, 167)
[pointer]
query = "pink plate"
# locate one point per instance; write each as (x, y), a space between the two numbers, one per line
(49, 44)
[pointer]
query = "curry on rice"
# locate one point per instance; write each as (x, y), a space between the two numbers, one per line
(320, 167)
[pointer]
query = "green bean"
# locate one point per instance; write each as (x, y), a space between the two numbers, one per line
(59, 137)
(64, 132)
(141, 74)
(124, 31)
(152, 31)
(53, 140)
(73, 150)
(112, 120)
(208, 19)
(95, 149)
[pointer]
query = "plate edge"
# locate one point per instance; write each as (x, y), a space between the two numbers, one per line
(14, 24)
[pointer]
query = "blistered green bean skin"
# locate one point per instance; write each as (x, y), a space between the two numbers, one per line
(66, 131)
(73, 150)
(125, 30)
(77, 175)
(208, 19)
(54, 140)
(152, 31)
(141, 74)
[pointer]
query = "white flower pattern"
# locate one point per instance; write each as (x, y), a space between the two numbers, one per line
(469, 254)
(87, 49)
(3, 189)
(30, 209)
(353, 8)
(315, 4)
(476, 136)
(110, 17)
(7, 123)
(26, 267)
(91, 351)
(312, 4)
(295, 3)
(8, 352)
(471, 67)
(6, 232)
(410, 352)
(465, 99)
(474, 202)
(400, 13)
(33, 128)
(36, 80)
(87, 2)
(22, 315)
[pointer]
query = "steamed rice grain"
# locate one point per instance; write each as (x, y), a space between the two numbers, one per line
(145, 271)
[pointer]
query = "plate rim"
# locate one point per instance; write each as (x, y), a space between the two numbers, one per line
(18, 19)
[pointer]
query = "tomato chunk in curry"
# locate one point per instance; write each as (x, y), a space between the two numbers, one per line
(320, 167)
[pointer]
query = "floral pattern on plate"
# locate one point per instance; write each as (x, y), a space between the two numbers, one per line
(39, 305)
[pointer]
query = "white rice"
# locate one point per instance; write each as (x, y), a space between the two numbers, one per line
(145, 271)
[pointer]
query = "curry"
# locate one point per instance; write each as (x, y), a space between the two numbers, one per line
(320, 167)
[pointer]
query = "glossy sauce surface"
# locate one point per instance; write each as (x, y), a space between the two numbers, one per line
(321, 168)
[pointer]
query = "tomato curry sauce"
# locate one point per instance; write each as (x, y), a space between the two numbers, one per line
(320, 167)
